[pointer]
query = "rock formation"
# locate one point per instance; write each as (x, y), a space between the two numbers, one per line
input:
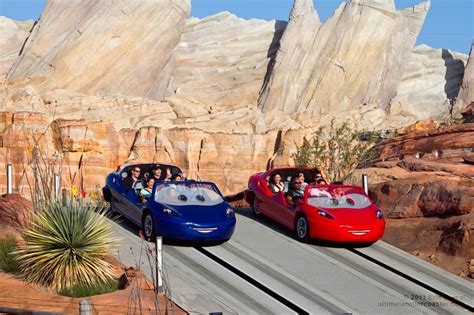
(466, 94)
(222, 60)
(426, 191)
(12, 37)
(430, 84)
(94, 47)
(348, 62)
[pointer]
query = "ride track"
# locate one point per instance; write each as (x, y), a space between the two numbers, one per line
(262, 269)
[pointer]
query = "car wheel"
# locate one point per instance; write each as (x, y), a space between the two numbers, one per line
(255, 209)
(107, 194)
(302, 229)
(112, 208)
(148, 227)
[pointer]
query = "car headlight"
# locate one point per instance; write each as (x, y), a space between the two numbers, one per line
(379, 214)
(229, 212)
(325, 214)
(170, 212)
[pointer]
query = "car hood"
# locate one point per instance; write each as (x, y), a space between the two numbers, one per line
(202, 214)
(354, 216)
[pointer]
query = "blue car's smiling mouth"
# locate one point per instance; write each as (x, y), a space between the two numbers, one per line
(205, 230)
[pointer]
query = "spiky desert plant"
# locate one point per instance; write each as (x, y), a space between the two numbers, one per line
(65, 245)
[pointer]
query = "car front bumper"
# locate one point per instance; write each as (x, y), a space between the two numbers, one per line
(175, 228)
(324, 229)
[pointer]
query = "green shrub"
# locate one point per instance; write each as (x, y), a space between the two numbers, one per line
(337, 151)
(8, 261)
(65, 245)
(82, 290)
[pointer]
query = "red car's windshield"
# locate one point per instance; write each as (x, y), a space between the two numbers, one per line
(337, 197)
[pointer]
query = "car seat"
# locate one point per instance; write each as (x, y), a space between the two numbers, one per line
(133, 193)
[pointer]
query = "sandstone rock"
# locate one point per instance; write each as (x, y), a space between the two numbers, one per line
(345, 67)
(12, 36)
(421, 125)
(295, 58)
(222, 60)
(422, 165)
(468, 113)
(424, 197)
(129, 49)
(446, 138)
(457, 238)
(15, 211)
(430, 83)
(466, 94)
(16, 294)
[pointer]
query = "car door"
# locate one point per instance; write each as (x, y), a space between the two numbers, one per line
(279, 209)
(264, 196)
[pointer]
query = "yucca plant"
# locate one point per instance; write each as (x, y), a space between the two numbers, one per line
(65, 245)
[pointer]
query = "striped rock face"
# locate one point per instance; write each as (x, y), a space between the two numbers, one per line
(108, 84)
(100, 47)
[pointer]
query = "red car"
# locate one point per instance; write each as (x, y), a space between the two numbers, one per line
(341, 213)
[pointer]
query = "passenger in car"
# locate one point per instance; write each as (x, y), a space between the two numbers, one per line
(130, 180)
(276, 185)
(167, 174)
(177, 177)
(338, 192)
(156, 172)
(295, 191)
(145, 193)
(303, 182)
(321, 181)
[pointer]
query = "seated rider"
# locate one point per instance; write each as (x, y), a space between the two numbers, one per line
(177, 177)
(295, 191)
(130, 180)
(276, 185)
(156, 172)
(167, 174)
(321, 181)
(303, 182)
(145, 193)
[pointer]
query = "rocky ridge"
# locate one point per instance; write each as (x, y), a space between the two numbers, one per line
(97, 97)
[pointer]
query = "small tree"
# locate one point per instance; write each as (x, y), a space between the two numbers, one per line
(337, 151)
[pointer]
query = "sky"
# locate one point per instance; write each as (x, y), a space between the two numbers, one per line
(449, 24)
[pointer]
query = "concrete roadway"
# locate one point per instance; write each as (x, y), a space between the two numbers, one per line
(316, 277)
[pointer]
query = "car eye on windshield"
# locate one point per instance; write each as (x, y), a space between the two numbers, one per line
(333, 202)
(200, 198)
(183, 198)
(350, 201)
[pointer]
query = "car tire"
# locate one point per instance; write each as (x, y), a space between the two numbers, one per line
(112, 208)
(255, 209)
(148, 227)
(107, 194)
(302, 229)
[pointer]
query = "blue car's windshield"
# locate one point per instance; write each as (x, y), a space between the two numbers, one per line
(337, 197)
(187, 194)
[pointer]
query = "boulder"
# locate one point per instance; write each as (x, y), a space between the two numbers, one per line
(15, 211)
(457, 237)
(429, 195)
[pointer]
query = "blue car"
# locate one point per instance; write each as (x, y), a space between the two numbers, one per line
(183, 210)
